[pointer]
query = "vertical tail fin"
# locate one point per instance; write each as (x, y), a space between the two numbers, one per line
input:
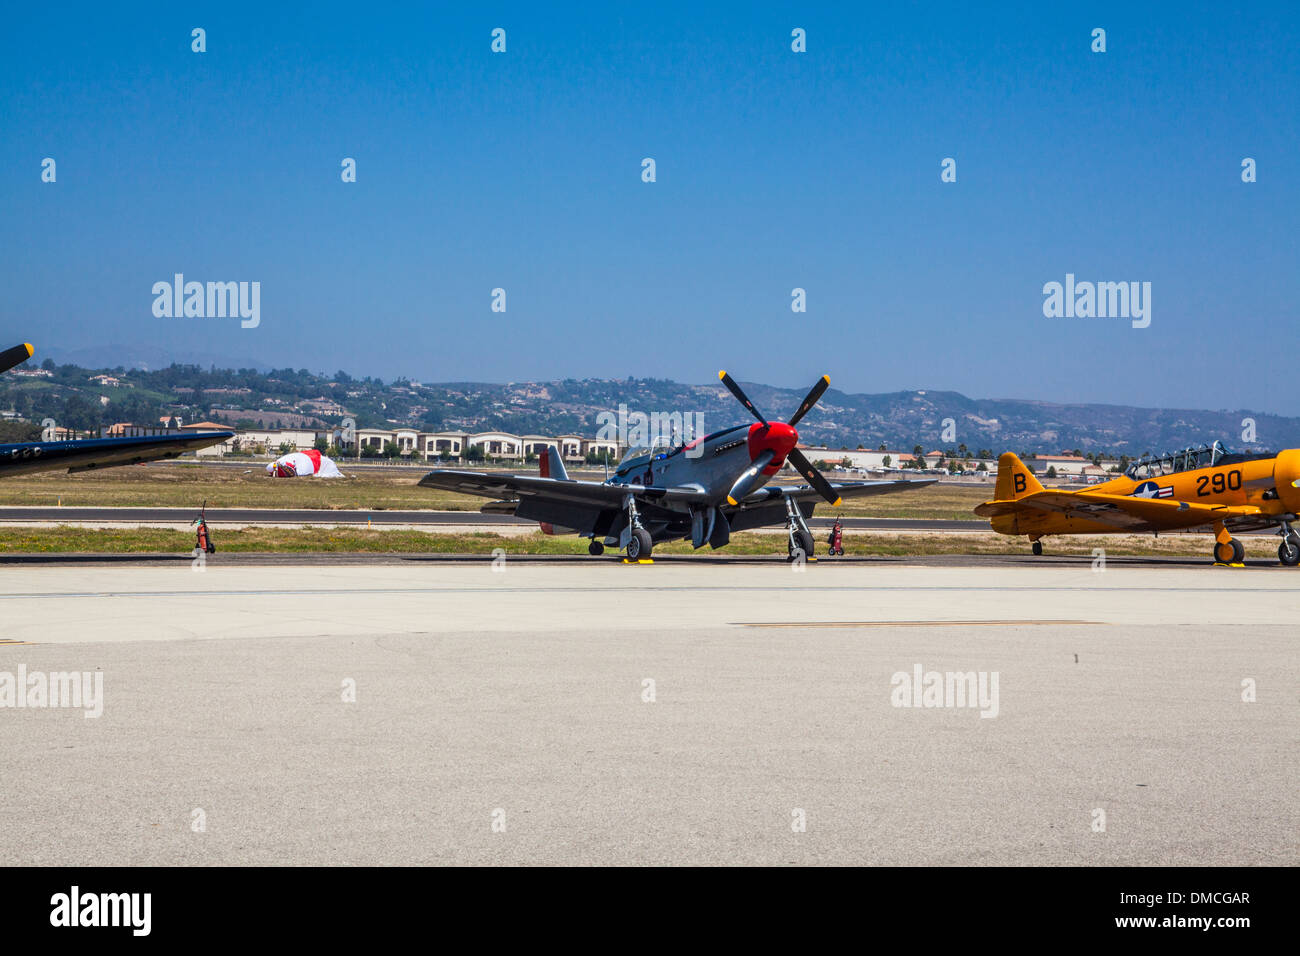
(1014, 479)
(551, 464)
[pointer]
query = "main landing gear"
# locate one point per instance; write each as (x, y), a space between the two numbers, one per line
(1288, 552)
(639, 543)
(1227, 549)
(1038, 547)
(1229, 552)
(800, 546)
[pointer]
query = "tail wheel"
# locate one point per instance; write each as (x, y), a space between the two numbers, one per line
(639, 545)
(1224, 552)
(595, 548)
(1038, 547)
(1288, 552)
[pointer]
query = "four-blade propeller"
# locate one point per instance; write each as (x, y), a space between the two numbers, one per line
(749, 477)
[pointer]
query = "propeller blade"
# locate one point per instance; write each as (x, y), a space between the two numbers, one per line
(812, 476)
(15, 356)
(749, 477)
(741, 397)
(817, 391)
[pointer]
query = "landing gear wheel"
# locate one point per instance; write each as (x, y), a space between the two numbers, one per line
(595, 548)
(1288, 552)
(1238, 552)
(1224, 552)
(800, 546)
(639, 545)
(1038, 547)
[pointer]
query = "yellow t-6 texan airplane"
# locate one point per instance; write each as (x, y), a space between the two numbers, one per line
(1193, 488)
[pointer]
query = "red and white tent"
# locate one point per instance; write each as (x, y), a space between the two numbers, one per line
(299, 464)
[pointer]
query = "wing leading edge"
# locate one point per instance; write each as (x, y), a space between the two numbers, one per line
(847, 489)
(1122, 511)
(594, 493)
(83, 454)
(601, 495)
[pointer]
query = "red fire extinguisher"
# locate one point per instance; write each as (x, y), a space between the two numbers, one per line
(202, 540)
(836, 538)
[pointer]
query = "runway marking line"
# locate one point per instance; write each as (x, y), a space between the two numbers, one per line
(908, 623)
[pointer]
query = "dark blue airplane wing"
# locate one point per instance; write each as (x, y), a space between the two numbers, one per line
(846, 489)
(83, 454)
(594, 493)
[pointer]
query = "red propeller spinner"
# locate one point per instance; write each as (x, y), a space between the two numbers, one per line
(771, 444)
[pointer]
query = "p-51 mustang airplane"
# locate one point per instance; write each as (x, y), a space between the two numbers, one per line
(84, 454)
(1193, 488)
(701, 491)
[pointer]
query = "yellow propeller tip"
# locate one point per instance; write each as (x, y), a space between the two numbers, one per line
(30, 351)
(722, 374)
(837, 502)
(826, 379)
(732, 501)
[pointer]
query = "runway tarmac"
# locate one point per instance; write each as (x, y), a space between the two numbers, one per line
(678, 712)
(299, 516)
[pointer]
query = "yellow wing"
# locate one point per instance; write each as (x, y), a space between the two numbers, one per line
(1122, 511)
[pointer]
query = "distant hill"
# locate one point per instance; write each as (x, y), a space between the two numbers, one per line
(903, 419)
(900, 420)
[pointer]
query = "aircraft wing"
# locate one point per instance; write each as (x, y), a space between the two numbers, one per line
(846, 489)
(596, 494)
(83, 454)
(1123, 511)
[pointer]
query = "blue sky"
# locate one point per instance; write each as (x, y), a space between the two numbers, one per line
(775, 170)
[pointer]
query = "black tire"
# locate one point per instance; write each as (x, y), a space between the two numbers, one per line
(1288, 552)
(1238, 552)
(639, 545)
(805, 541)
(596, 549)
(1224, 552)
(1038, 547)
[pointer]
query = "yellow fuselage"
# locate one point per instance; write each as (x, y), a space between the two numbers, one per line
(1266, 483)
